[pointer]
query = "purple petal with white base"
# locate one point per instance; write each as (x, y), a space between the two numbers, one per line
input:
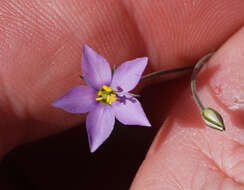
(127, 75)
(99, 125)
(80, 99)
(95, 68)
(130, 112)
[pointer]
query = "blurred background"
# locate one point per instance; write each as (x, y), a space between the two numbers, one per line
(65, 162)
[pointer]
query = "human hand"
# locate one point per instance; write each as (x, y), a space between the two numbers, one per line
(40, 60)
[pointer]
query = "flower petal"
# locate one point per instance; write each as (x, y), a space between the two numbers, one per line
(80, 99)
(95, 68)
(130, 112)
(99, 125)
(128, 74)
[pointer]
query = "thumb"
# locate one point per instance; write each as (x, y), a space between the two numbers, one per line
(188, 155)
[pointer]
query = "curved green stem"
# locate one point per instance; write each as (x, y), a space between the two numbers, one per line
(158, 73)
(196, 70)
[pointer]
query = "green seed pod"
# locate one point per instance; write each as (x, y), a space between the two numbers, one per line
(213, 119)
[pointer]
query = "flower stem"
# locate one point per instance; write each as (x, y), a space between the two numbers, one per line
(158, 73)
(196, 70)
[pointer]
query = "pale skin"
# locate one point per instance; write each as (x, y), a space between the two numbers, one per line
(40, 53)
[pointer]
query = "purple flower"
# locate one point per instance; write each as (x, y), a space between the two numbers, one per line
(106, 96)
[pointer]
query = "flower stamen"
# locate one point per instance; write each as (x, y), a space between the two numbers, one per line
(106, 95)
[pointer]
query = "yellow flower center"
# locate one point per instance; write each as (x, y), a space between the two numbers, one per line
(106, 95)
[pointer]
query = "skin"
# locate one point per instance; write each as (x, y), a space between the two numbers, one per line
(40, 51)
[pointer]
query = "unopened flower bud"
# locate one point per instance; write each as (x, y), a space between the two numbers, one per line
(213, 119)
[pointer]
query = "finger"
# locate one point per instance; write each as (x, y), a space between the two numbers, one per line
(175, 32)
(188, 155)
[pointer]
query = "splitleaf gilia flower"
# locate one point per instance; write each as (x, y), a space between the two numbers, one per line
(106, 96)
